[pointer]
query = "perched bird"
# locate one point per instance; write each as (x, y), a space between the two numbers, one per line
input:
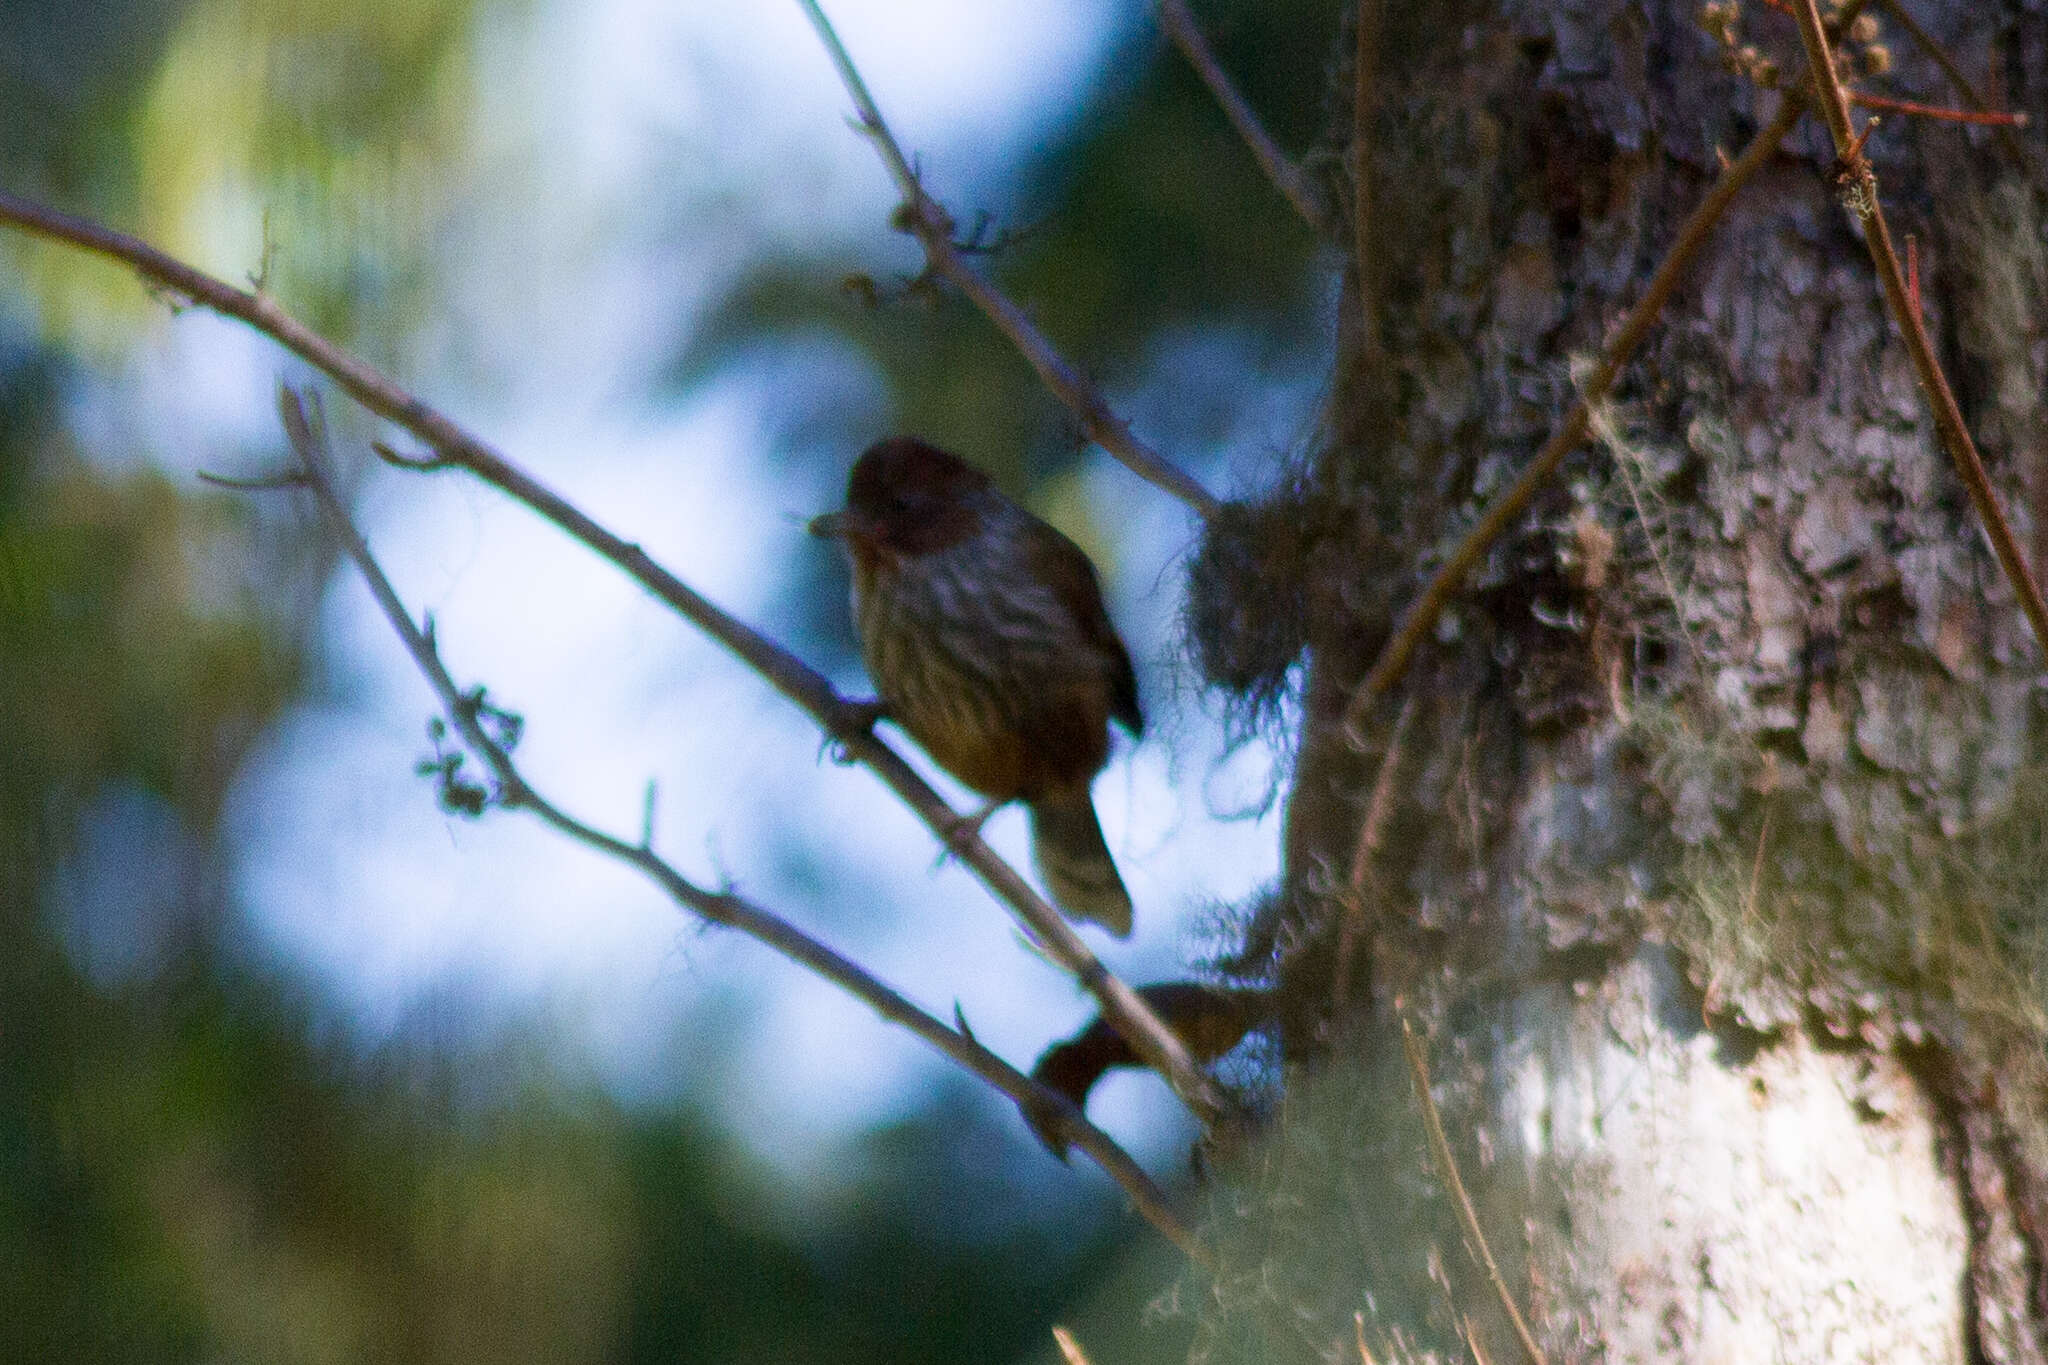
(1210, 1021)
(984, 632)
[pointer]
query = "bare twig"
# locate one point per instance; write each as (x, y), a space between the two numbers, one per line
(1358, 1331)
(1991, 118)
(846, 720)
(1472, 1342)
(262, 483)
(1858, 184)
(925, 219)
(1070, 1349)
(1363, 881)
(1965, 87)
(1422, 616)
(308, 441)
(1447, 1167)
(1179, 24)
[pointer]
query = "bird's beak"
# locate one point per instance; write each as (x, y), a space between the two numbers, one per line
(829, 526)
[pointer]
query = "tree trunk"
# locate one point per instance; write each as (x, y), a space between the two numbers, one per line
(1711, 863)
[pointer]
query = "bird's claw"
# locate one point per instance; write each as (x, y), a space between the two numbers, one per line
(855, 718)
(866, 713)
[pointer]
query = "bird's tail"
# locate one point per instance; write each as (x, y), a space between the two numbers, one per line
(1066, 843)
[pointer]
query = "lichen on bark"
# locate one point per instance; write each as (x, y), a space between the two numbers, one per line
(1716, 872)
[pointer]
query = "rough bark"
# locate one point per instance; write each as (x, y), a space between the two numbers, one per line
(1715, 861)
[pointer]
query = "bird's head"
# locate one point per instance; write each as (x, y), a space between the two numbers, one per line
(906, 497)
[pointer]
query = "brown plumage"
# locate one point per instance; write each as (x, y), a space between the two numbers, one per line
(984, 632)
(1210, 1021)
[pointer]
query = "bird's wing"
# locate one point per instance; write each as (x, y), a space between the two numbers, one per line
(1066, 568)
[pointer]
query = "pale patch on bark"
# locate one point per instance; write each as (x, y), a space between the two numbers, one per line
(1790, 1208)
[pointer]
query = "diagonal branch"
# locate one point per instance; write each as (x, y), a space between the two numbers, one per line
(925, 219)
(309, 443)
(1447, 1168)
(847, 722)
(1422, 616)
(1364, 884)
(1858, 184)
(1281, 169)
(1965, 87)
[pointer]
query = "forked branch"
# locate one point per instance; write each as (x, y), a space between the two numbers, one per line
(1447, 1170)
(1422, 617)
(848, 723)
(1285, 173)
(1858, 186)
(309, 445)
(924, 218)
(1965, 87)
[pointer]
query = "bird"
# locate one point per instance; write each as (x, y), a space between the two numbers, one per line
(1209, 1020)
(984, 632)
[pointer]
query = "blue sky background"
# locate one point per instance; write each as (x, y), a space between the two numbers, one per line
(566, 292)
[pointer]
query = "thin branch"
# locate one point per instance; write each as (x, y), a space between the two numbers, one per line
(1472, 1342)
(1447, 1167)
(1990, 118)
(1363, 881)
(925, 219)
(1965, 87)
(847, 721)
(1859, 194)
(308, 440)
(398, 459)
(1508, 507)
(262, 483)
(1070, 1349)
(1281, 169)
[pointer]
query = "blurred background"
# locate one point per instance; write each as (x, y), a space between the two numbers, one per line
(294, 1066)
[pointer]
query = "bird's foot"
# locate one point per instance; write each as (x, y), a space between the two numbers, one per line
(854, 719)
(865, 712)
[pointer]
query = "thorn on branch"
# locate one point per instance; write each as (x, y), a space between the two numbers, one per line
(979, 241)
(171, 297)
(262, 483)
(399, 459)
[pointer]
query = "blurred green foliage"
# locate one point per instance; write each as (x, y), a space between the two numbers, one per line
(1145, 217)
(190, 1168)
(1144, 224)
